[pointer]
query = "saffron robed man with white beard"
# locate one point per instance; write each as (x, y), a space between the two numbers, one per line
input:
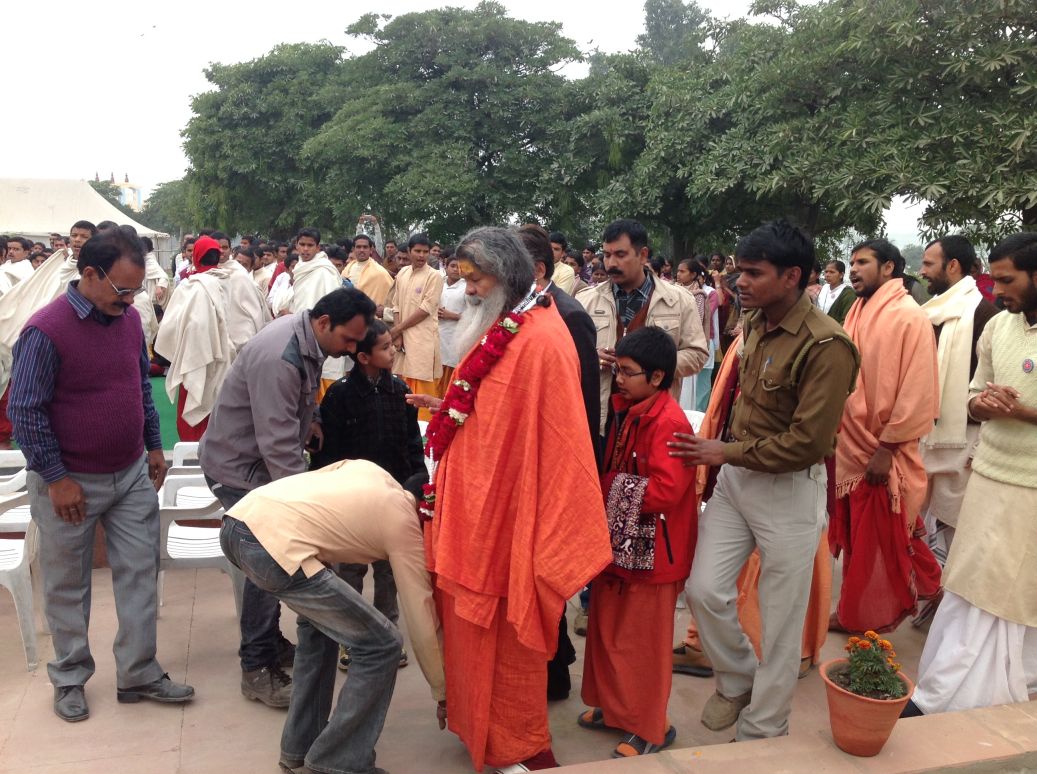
(314, 277)
(504, 566)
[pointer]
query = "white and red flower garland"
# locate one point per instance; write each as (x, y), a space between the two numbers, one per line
(459, 402)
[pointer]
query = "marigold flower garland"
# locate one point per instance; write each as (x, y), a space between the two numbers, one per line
(459, 402)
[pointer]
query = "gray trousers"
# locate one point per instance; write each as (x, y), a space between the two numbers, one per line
(783, 516)
(126, 504)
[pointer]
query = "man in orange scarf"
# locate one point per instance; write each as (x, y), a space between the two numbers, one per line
(519, 523)
(880, 478)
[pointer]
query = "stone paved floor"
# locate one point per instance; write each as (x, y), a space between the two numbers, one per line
(222, 732)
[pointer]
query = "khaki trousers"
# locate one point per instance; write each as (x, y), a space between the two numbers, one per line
(781, 514)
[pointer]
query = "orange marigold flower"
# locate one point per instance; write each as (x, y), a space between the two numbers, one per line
(848, 648)
(871, 635)
(892, 654)
(896, 666)
(885, 644)
(864, 645)
(854, 640)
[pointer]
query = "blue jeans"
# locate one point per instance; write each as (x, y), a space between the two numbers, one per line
(330, 613)
(260, 612)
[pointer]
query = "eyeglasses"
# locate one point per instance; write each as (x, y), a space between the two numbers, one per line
(120, 292)
(617, 371)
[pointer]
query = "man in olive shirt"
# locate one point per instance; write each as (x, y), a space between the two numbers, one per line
(797, 368)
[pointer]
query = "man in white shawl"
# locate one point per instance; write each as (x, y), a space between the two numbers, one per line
(195, 338)
(247, 311)
(958, 313)
(313, 278)
(19, 304)
(16, 265)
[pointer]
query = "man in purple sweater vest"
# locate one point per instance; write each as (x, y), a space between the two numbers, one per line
(82, 412)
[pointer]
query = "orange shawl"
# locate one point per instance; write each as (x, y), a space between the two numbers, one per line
(721, 401)
(519, 513)
(897, 399)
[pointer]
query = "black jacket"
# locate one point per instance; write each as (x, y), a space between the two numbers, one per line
(581, 328)
(371, 421)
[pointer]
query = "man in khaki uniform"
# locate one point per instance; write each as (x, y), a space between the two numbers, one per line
(796, 370)
(633, 299)
(415, 305)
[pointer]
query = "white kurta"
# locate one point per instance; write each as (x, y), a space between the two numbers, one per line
(314, 279)
(194, 338)
(452, 299)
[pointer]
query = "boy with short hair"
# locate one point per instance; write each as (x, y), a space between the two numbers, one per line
(652, 511)
(365, 416)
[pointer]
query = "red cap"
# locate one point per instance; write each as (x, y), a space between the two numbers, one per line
(201, 246)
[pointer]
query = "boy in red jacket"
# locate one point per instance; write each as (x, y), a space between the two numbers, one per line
(653, 520)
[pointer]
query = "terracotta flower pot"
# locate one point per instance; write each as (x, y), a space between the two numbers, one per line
(861, 726)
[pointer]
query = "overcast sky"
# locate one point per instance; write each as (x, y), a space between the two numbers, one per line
(106, 86)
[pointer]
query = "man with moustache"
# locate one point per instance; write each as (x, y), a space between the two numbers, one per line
(959, 314)
(22, 301)
(82, 411)
(634, 299)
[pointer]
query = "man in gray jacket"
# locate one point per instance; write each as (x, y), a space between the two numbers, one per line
(264, 419)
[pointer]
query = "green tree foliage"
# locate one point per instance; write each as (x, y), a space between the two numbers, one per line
(953, 119)
(820, 113)
(675, 32)
(245, 139)
(447, 121)
(169, 208)
(110, 191)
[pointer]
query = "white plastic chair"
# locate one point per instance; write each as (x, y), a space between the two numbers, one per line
(14, 512)
(11, 459)
(15, 482)
(695, 419)
(185, 499)
(185, 453)
(16, 556)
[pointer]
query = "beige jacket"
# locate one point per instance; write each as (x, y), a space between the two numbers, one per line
(670, 308)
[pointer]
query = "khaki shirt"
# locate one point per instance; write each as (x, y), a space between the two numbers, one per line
(787, 412)
(354, 512)
(420, 358)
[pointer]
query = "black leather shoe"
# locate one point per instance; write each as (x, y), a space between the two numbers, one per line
(163, 689)
(70, 703)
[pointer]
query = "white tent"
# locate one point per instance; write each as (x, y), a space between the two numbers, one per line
(34, 208)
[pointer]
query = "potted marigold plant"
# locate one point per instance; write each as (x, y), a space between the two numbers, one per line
(866, 694)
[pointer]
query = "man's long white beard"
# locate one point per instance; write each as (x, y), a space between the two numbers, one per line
(479, 314)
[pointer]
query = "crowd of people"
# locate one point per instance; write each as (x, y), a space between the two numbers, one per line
(497, 427)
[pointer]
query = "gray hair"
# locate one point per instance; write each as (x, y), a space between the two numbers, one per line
(499, 252)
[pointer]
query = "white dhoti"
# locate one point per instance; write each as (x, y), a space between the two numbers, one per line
(974, 659)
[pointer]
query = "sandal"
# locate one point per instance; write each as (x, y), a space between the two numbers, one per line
(593, 718)
(634, 745)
